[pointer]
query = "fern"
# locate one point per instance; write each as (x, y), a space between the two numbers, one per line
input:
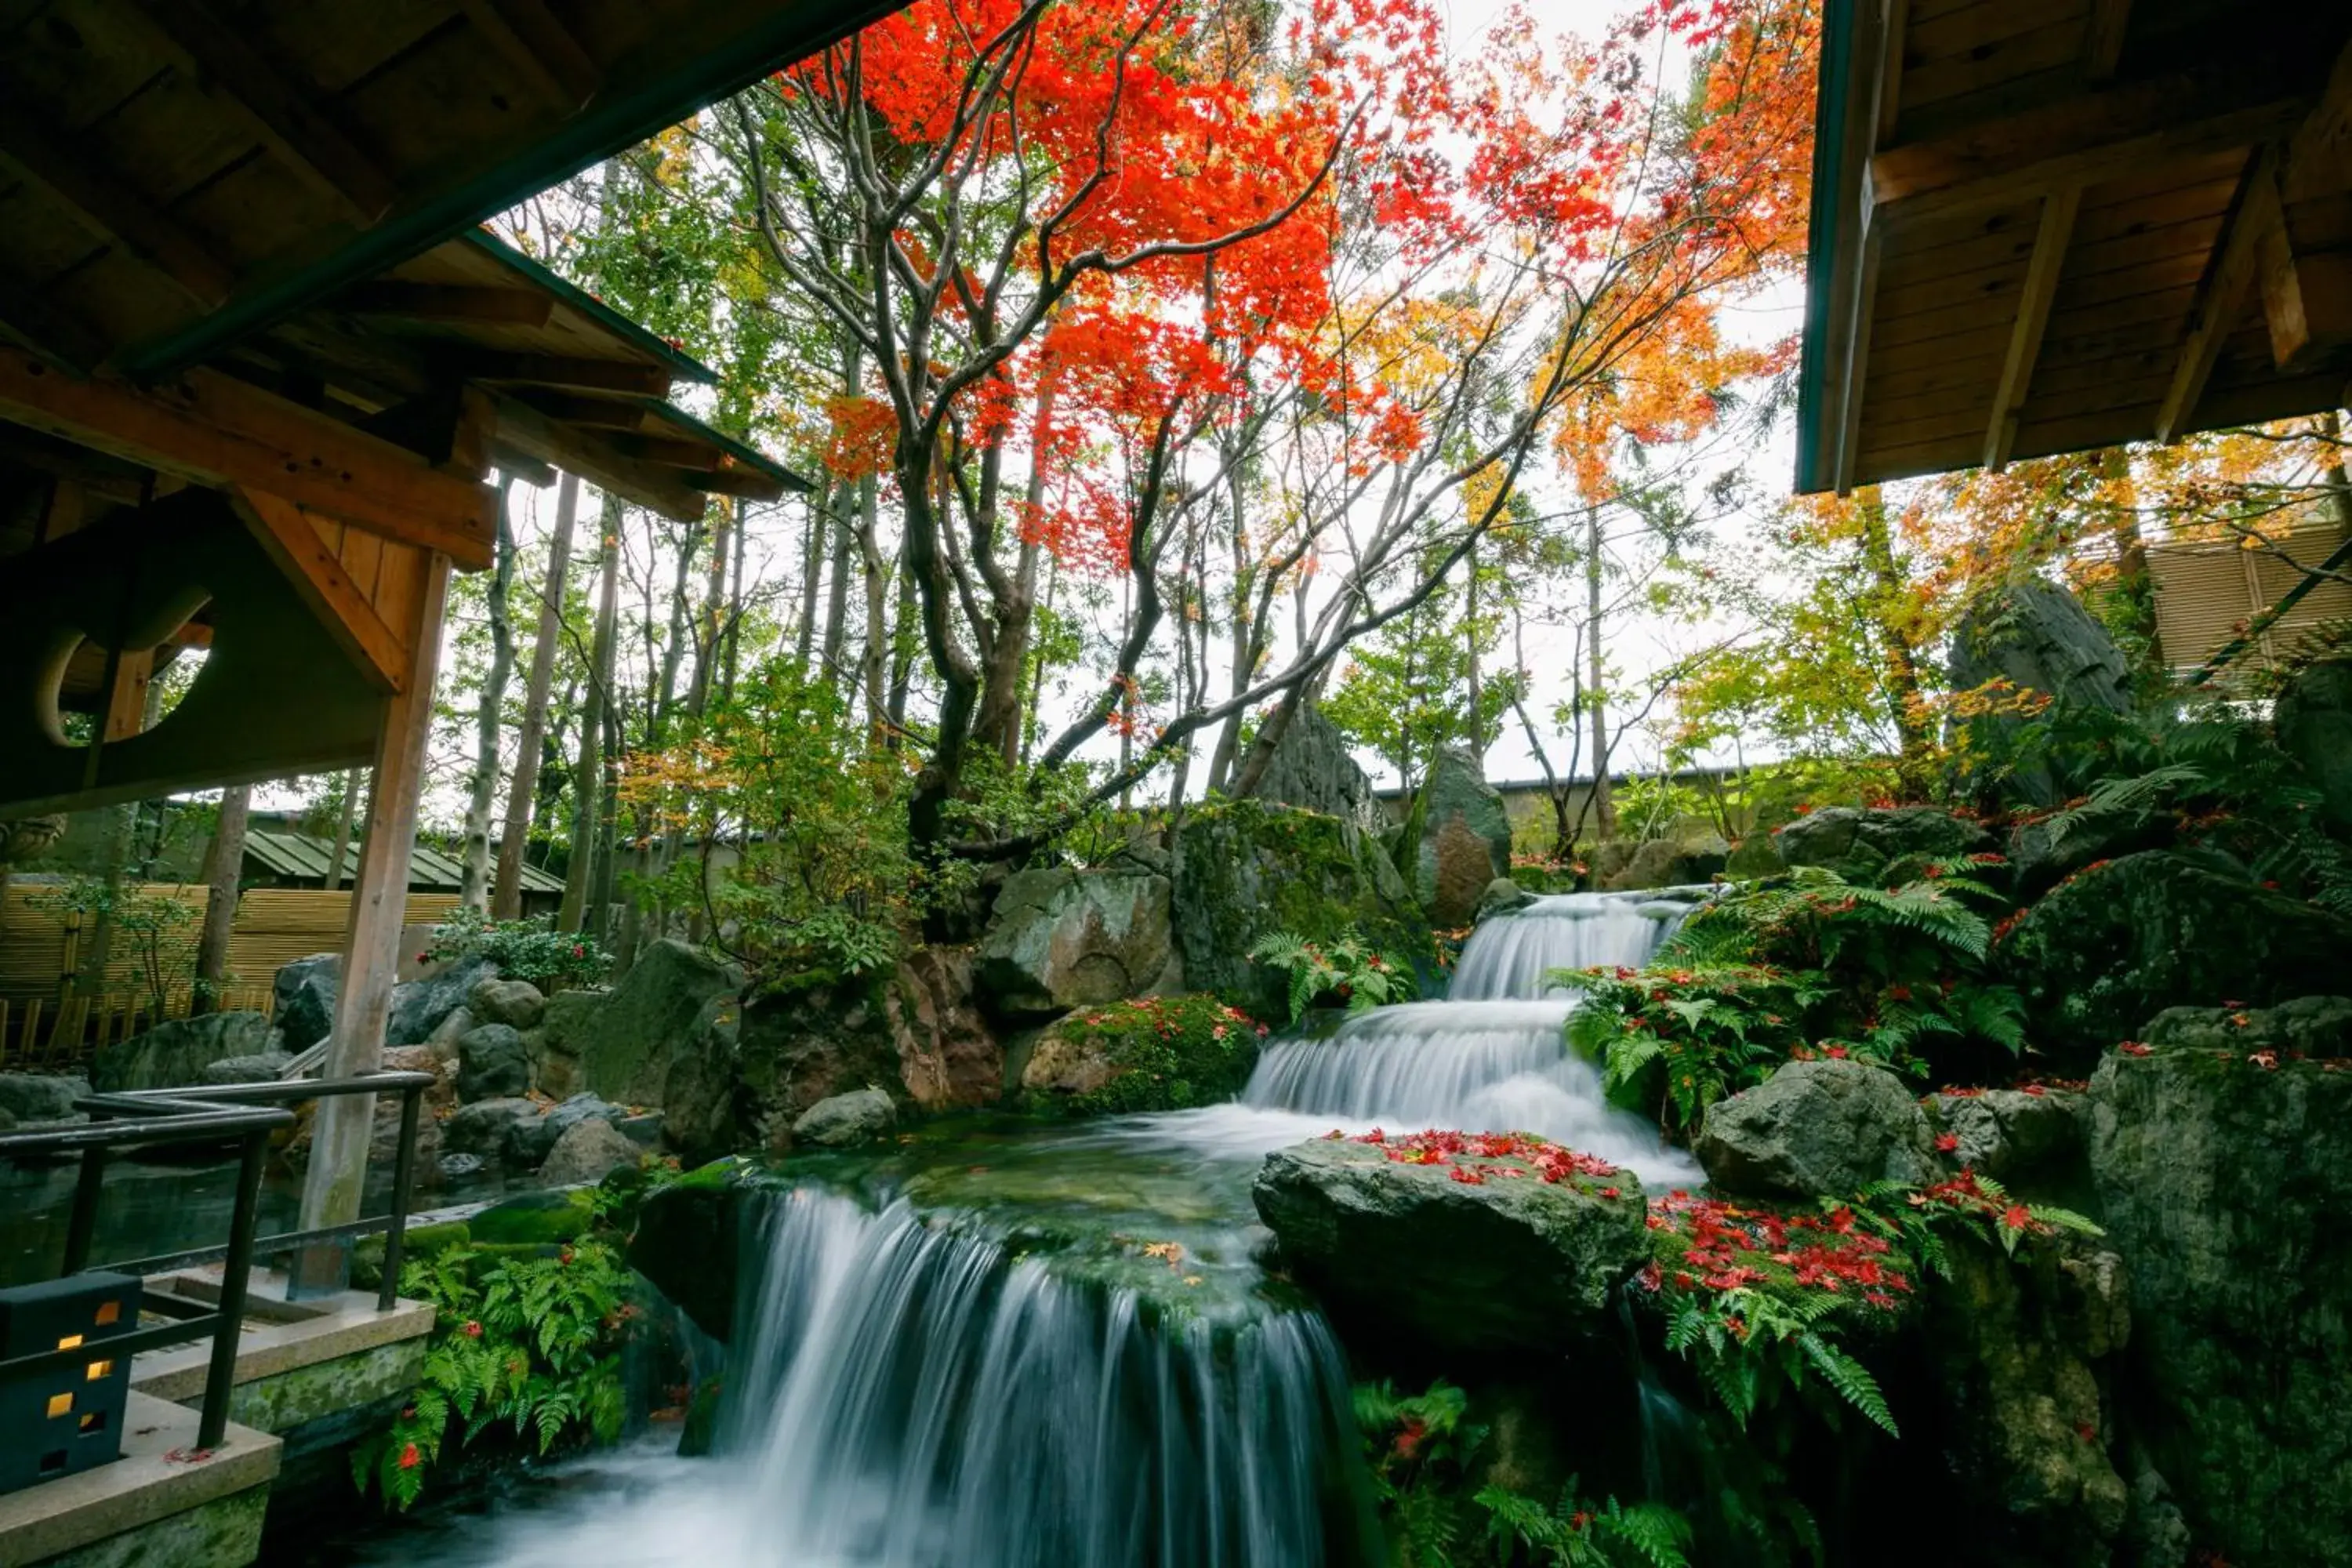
(1850, 1378)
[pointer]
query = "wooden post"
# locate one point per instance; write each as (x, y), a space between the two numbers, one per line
(339, 1145)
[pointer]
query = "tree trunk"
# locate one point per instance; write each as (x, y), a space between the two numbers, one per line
(2133, 586)
(820, 506)
(506, 896)
(1888, 591)
(342, 846)
(473, 870)
(1604, 806)
(226, 861)
(836, 603)
(587, 782)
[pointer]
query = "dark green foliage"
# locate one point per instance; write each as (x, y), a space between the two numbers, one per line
(530, 950)
(1171, 1053)
(1348, 970)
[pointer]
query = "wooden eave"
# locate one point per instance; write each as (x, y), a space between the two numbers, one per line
(2052, 226)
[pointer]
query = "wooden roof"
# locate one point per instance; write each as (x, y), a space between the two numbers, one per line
(303, 858)
(176, 174)
(2050, 226)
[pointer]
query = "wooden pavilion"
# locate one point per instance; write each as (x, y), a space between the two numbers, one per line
(2050, 226)
(256, 361)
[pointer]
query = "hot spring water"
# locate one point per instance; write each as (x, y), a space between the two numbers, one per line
(1056, 1348)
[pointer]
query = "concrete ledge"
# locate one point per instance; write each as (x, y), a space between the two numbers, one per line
(279, 1336)
(159, 1477)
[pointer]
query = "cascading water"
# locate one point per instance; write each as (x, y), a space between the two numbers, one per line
(1056, 1347)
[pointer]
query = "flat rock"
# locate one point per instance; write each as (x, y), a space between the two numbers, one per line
(515, 1003)
(588, 1150)
(1816, 1129)
(846, 1121)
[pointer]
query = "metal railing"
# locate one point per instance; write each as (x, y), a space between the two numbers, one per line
(248, 1113)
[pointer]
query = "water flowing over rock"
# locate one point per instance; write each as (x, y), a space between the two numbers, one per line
(177, 1052)
(1065, 937)
(1457, 838)
(1512, 955)
(1411, 1250)
(2117, 943)
(2223, 1164)
(1814, 1128)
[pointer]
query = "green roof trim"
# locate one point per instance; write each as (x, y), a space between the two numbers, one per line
(789, 32)
(741, 451)
(1830, 97)
(542, 276)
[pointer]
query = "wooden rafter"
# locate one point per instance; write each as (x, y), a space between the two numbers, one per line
(734, 479)
(2306, 298)
(218, 431)
(2103, 49)
(2223, 294)
(556, 369)
(2049, 259)
(450, 303)
(110, 210)
(1850, 331)
(311, 565)
(281, 114)
(596, 413)
(538, 47)
(525, 429)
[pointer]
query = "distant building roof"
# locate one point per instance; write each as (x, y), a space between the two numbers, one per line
(301, 856)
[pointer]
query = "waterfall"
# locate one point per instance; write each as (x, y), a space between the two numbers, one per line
(1493, 1057)
(917, 1397)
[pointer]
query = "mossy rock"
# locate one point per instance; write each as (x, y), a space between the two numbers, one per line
(416, 1242)
(687, 1241)
(1152, 1054)
(537, 1218)
(1245, 869)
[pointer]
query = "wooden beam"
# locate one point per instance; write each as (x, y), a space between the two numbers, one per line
(670, 450)
(2103, 39)
(449, 427)
(2221, 296)
(2081, 141)
(219, 431)
(1856, 281)
(2306, 298)
(1895, 22)
(130, 218)
(747, 484)
(538, 49)
(281, 115)
(2041, 271)
(596, 413)
(2319, 160)
(516, 464)
(312, 566)
(449, 303)
(631, 376)
(533, 433)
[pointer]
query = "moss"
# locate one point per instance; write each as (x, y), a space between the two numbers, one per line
(536, 1218)
(1164, 1053)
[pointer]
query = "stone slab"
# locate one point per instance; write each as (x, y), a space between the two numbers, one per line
(147, 1498)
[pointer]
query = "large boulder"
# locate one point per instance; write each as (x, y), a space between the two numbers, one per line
(1153, 1054)
(2013, 1135)
(303, 993)
(1457, 838)
(1312, 768)
(1428, 1255)
(177, 1052)
(1064, 938)
(41, 1097)
(1672, 863)
(588, 1150)
(1245, 869)
(1822, 1128)
(687, 1241)
(515, 1003)
(846, 1121)
(419, 1005)
(948, 1053)
(480, 1128)
(2313, 719)
(2224, 1166)
(526, 1142)
(492, 1063)
(651, 1040)
(2116, 943)
(2039, 639)
(1862, 845)
(267, 1066)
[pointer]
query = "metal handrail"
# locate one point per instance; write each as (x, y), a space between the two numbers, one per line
(208, 1113)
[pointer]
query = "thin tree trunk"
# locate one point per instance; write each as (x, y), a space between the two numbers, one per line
(600, 891)
(874, 674)
(342, 845)
(587, 782)
(812, 566)
(734, 611)
(474, 869)
(506, 896)
(1888, 589)
(902, 651)
(1604, 806)
(226, 861)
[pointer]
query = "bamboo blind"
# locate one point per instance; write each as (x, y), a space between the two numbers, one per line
(2207, 593)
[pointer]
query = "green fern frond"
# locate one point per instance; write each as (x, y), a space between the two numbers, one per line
(1850, 1378)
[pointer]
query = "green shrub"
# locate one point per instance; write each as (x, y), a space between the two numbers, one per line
(1171, 1053)
(530, 950)
(1349, 970)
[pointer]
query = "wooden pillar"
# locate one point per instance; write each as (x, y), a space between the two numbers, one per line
(339, 1146)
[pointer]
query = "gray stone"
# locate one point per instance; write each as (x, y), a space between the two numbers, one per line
(846, 1121)
(2223, 1172)
(2116, 944)
(2313, 717)
(457, 1167)
(1248, 868)
(2038, 637)
(481, 1128)
(304, 992)
(1502, 897)
(1459, 837)
(517, 1002)
(41, 1097)
(687, 1241)
(419, 1005)
(1825, 1128)
(554, 1046)
(443, 1041)
(1407, 1251)
(176, 1053)
(2012, 1135)
(652, 1027)
(588, 1150)
(1672, 863)
(1313, 769)
(267, 1066)
(1861, 846)
(528, 1143)
(1063, 937)
(492, 1064)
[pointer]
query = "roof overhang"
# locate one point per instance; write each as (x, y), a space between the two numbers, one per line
(2057, 227)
